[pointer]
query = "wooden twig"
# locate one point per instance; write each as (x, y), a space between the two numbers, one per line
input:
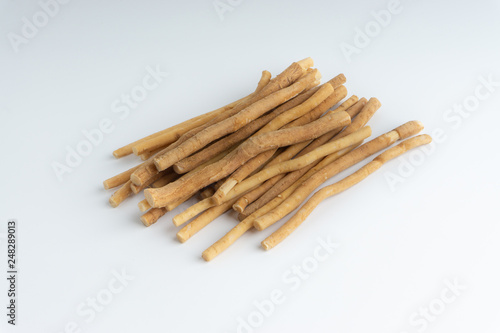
(359, 109)
(195, 181)
(286, 229)
(300, 194)
(232, 124)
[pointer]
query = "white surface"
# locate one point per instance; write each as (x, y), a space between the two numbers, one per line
(396, 247)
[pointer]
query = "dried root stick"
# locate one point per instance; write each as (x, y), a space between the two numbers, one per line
(121, 194)
(286, 229)
(300, 194)
(300, 162)
(273, 170)
(229, 238)
(207, 193)
(179, 128)
(191, 162)
(202, 221)
(248, 222)
(292, 73)
(152, 215)
(119, 179)
(351, 105)
(316, 112)
(232, 124)
(194, 160)
(147, 154)
(251, 147)
(359, 109)
(143, 205)
(168, 137)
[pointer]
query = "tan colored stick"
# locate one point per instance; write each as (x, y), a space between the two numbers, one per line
(165, 179)
(147, 169)
(144, 205)
(121, 194)
(119, 179)
(348, 160)
(246, 224)
(202, 221)
(289, 75)
(167, 138)
(232, 124)
(207, 193)
(358, 109)
(136, 189)
(228, 238)
(286, 229)
(147, 154)
(251, 147)
(250, 166)
(152, 215)
(300, 162)
(362, 118)
(192, 211)
(128, 149)
(350, 105)
(196, 159)
(271, 171)
(283, 80)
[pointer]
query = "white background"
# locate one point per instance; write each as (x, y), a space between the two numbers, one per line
(397, 247)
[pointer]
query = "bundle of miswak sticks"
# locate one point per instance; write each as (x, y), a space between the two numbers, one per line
(261, 156)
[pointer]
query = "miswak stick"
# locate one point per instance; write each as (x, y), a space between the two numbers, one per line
(362, 118)
(121, 194)
(225, 241)
(338, 94)
(165, 179)
(248, 222)
(147, 154)
(351, 105)
(250, 166)
(300, 194)
(189, 163)
(232, 124)
(250, 148)
(207, 193)
(137, 189)
(361, 109)
(271, 171)
(148, 168)
(184, 126)
(273, 203)
(300, 162)
(202, 221)
(152, 215)
(193, 210)
(265, 78)
(119, 179)
(293, 223)
(166, 138)
(143, 205)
